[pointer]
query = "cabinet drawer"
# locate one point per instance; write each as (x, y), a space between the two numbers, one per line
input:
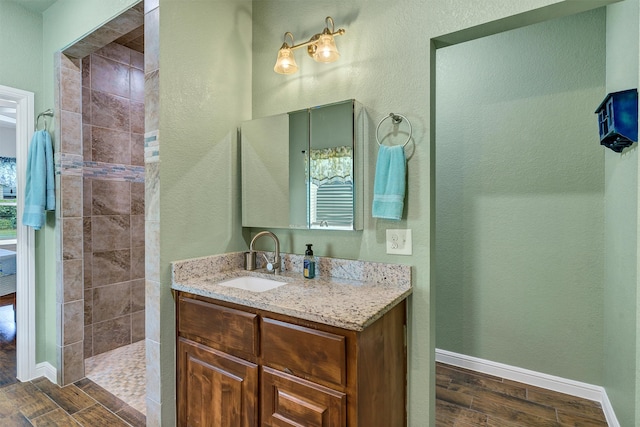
(224, 328)
(303, 351)
(291, 401)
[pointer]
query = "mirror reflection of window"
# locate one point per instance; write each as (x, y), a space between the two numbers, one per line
(8, 207)
(331, 187)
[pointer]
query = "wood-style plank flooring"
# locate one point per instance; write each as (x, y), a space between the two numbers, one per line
(469, 399)
(42, 403)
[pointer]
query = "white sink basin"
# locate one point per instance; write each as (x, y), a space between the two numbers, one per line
(253, 284)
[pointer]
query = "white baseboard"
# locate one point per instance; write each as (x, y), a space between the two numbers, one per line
(45, 369)
(538, 379)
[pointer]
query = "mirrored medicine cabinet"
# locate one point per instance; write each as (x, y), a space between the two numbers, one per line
(304, 169)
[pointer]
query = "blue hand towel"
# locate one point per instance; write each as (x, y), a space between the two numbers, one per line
(40, 185)
(389, 183)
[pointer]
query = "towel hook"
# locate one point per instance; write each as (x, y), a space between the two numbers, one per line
(48, 113)
(396, 119)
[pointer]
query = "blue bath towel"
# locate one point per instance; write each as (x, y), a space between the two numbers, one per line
(40, 185)
(389, 183)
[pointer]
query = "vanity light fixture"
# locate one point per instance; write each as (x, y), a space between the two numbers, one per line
(321, 47)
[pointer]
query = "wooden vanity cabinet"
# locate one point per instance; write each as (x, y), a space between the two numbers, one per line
(239, 366)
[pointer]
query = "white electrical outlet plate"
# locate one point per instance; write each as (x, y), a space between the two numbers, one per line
(399, 242)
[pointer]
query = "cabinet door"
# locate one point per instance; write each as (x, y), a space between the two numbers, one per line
(289, 401)
(215, 389)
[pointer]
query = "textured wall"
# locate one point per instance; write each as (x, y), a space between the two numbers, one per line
(519, 197)
(621, 329)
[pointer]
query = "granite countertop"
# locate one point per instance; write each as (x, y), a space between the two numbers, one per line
(349, 295)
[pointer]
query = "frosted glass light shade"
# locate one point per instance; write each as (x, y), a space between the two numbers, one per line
(286, 63)
(326, 50)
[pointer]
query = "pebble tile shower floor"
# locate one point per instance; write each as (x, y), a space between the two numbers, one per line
(122, 372)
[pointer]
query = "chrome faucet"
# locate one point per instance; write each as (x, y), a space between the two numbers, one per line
(271, 266)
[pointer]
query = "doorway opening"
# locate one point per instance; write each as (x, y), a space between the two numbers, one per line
(17, 242)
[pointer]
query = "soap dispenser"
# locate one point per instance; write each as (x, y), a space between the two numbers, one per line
(309, 270)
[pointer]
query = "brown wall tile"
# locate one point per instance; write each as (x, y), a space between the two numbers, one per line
(111, 197)
(111, 301)
(110, 232)
(109, 76)
(110, 146)
(109, 111)
(111, 267)
(111, 334)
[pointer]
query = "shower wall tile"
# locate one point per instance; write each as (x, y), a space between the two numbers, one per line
(137, 60)
(152, 191)
(152, 250)
(72, 363)
(151, 100)
(87, 199)
(111, 301)
(151, 41)
(72, 277)
(86, 73)
(111, 197)
(88, 307)
(88, 271)
(110, 232)
(152, 349)
(72, 322)
(88, 341)
(116, 52)
(71, 229)
(136, 85)
(137, 117)
(109, 111)
(127, 22)
(69, 62)
(111, 267)
(111, 334)
(137, 198)
(70, 132)
(87, 136)
(110, 76)
(137, 263)
(149, 5)
(71, 196)
(70, 90)
(102, 36)
(110, 146)
(137, 295)
(114, 185)
(137, 149)
(137, 326)
(152, 309)
(137, 231)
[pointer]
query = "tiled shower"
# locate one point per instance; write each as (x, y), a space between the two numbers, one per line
(113, 198)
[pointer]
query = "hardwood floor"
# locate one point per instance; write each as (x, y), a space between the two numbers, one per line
(7, 341)
(42, 403)
(470, 399)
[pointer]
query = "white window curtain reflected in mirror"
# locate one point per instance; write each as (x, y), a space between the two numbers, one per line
(331, 187)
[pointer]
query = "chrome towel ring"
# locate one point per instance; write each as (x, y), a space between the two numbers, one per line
(396, 119)
(44, 114)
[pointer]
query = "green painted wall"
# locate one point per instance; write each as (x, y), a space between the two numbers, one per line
(519, 197)
(204, 98)
(205, 92)
(21, 49)
(621, 330)
(387, 65)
